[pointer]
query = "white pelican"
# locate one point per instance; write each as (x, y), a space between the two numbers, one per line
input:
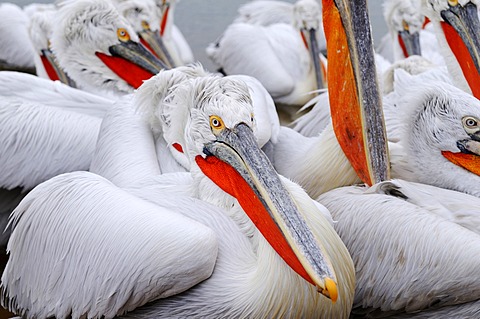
(407, 34)
(143, 16)
(418, 229)
(283, 57)
(99, 49)
(457, 28)
(40, 31)
(404, 23)
(176, 44)
(323, 162)
(436, 130)
(249, 279)
(16, 51)
(122, 122)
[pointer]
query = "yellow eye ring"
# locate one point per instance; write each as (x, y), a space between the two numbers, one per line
(145, 25)
(123, 35)
(453, 3)
(216, 122)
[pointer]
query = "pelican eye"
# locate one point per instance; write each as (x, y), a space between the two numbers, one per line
(405, 25)
(123, 35)
(251, 117)
(453, 3)
(470, 124)
(145, 25)
(216, 122)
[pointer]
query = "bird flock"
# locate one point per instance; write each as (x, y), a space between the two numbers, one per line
(312, 174)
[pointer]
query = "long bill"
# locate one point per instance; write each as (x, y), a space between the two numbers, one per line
(236, 164)
(54, 71)
(461, 27)
(132, 62)
(153, 41)
(355, 101)
(469, 155)
(312, 46)
(409, 42)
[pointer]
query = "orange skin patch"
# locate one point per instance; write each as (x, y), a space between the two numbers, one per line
(425, 22)
(347, 122)
(470, 162)
(52, 74)
(128, 71)
(304, 40)
(402, 45)
(230, 181)
(149, 48)
(164, 21)
(463, 57)
(178, 147)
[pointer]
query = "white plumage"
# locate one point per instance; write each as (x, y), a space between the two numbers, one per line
(455, 27)
(174, 39)
(16, 49)
(410, 249)
(275, 54)
(249, 279)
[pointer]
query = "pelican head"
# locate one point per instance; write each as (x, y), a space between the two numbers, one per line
(150, 101)
(99, 48)
(40, 31)
(458, 32)
(165, 8)
(307, 17)
(144, 16)
(442, 141)
(215, 117)
(404, 21)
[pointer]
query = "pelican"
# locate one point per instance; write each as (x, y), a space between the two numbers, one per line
(40, 31)
(456, 26)
(99, 49)
(437, 145)
(283, 57)
(175, 43)
(16, 52)
(404, 24)
(212, 224)
(123, 121)
(144, 17)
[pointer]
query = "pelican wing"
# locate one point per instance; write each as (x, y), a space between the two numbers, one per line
(316, 119)
(457, 207)
(265, 12)
(52, 93)
(81, 246)
(250, 49)
(38, 142)
(408, 258)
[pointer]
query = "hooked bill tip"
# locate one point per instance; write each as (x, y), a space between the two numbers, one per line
(330, 290)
